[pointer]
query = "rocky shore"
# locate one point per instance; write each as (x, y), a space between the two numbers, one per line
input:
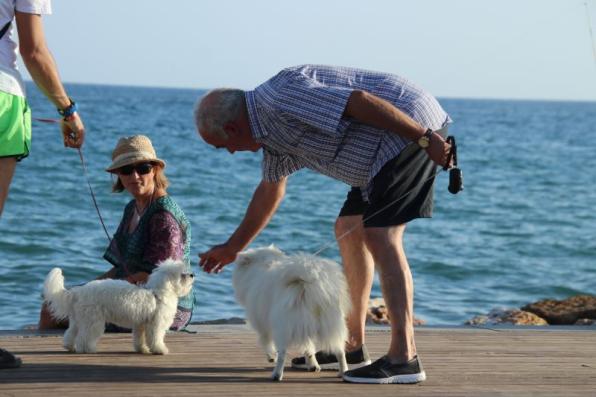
(577, 310)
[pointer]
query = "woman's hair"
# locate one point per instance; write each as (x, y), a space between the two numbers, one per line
(161, 182)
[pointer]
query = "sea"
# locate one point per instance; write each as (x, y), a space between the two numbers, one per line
(523, 228)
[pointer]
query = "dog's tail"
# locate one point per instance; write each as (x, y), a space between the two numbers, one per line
(319, 301)
(56, 295)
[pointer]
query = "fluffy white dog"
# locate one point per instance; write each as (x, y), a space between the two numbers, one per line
(297, 301)
(148, 309)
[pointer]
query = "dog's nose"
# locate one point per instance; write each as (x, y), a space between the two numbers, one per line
(192, 275)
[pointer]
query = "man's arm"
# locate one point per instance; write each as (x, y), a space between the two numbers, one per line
(369, 109)
(43, 70)
(261, 208)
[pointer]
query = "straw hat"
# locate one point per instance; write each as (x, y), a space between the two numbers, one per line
(131, 150)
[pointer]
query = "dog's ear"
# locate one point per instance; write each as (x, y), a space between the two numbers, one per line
(274, 248)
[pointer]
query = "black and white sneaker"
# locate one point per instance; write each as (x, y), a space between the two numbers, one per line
(382, 371)
(356, 359)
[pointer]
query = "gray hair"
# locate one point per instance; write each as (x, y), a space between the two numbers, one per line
(217, 108)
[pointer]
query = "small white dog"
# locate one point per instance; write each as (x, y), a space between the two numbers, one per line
(148, 309)
(297, 301)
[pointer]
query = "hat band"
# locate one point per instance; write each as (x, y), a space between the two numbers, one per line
(135, 155)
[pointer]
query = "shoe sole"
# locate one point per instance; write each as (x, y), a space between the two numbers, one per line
(333, 366)
(403, 379)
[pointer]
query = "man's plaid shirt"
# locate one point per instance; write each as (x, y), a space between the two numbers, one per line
(297, 117)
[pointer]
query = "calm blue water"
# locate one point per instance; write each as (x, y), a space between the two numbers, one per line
(524, 228)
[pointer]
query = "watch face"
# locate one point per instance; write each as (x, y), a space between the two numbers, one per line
(423, 142)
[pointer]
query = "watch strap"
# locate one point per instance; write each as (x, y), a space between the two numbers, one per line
(68, 111)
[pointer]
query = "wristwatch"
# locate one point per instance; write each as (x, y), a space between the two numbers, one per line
(424, 140)
(67, 112)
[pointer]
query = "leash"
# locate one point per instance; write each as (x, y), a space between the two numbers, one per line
(86, 174)
(456, 184)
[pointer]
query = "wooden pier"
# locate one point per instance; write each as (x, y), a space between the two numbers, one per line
(226, 361)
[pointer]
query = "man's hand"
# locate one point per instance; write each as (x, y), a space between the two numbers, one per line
(438, 150)
(73, 131)
(217, 257)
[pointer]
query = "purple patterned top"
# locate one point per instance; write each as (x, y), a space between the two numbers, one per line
(162, 232)
(166, 240)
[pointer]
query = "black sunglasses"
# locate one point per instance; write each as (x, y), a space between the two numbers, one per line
(141, 169)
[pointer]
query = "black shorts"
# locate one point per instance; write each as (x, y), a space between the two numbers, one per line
(401, 191)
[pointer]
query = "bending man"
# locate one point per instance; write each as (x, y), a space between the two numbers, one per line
(377, 132)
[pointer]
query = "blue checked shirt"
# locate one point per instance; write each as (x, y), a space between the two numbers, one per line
(297, 117)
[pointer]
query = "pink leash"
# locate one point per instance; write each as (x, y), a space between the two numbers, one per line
(54, 121)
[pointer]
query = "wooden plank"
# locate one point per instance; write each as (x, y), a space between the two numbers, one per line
(227, 361)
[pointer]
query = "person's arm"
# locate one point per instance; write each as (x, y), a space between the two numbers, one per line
(369, 109)
(264, 203)
(43, 70)
(108, 275)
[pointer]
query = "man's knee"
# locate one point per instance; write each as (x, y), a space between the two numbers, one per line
(346, 225)
(379, 237)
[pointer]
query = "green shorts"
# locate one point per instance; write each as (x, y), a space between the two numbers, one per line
(15, 126)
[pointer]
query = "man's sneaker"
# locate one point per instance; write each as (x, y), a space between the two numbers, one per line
(356, 359)
(382, 371)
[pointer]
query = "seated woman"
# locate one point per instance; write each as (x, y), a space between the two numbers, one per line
(153, 227)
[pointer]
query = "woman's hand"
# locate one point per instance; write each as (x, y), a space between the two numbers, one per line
(217, 257)
(138, 278)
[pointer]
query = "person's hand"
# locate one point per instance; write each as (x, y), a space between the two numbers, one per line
(73, 131)
(217, 257)
(438, 150)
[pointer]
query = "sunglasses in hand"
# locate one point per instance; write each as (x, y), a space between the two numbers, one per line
(141, 169)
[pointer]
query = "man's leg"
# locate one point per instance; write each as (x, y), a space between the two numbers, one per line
(7, 167)
(359, 270)
(386, 246)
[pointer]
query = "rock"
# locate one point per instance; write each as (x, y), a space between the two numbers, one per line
(585, 321)
(564, 312)
(378, 313)
(502, 316)
(478, 320)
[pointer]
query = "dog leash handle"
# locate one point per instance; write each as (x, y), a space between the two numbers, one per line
(456, 176)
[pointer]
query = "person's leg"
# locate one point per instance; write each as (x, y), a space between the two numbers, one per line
(359, 270)
(46, 321)
(7, 167)
(386, 246)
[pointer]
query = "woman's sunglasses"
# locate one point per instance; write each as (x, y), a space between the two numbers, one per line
(141, 169)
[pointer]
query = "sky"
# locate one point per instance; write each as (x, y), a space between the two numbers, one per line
(509, 49)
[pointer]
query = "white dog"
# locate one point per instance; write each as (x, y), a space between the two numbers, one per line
(298, 301)
(148, 309)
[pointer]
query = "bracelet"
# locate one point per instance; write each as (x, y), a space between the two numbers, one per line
(69, 111)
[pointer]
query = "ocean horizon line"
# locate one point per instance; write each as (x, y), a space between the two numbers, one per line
(441, 97)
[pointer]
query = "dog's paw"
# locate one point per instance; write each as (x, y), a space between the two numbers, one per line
(142, 350)
(161, 350)
(70, 349)
(316, 368)
(276, 377)
(272, 358)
